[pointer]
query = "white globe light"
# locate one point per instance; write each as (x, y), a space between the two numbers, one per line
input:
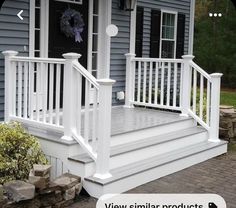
(215, 14)
(220, 15)
(210, 14)
(112, 30)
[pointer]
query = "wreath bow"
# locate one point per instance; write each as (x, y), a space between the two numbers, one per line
(72, 24)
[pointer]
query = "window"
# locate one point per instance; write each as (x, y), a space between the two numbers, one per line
(168, 34)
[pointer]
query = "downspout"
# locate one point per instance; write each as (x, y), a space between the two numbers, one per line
(191, 27)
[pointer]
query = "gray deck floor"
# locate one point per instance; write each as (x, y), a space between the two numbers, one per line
(130, 119)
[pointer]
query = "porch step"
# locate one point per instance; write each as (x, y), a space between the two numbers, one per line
(133, 175)
(142, 149)
(142, 143)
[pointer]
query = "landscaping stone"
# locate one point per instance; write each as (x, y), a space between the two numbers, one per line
(78, 188)
(39, 182)
(228, 123)
(41, 170)
(69, 194)
(52, 187)
(67, 181)
(19, 190)
(50, 199)
(64, 204)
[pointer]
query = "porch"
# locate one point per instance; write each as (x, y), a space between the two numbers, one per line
(61, 102)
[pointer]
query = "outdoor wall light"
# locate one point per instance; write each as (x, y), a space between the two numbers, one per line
(128, 5)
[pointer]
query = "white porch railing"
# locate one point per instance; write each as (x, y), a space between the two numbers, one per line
(50, 94)
(175, 84)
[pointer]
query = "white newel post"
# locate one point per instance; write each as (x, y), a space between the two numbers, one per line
(104, 128)
(8, 109)
(68, 95)
(129, 82)
(215, 107)
(186, 84)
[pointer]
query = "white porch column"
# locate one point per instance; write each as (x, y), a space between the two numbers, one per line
(133, 30)
(191, 27)
(104, 41)
(104, 129)
(186, 88)
(8, 103)
(215, 107)
(68, 100)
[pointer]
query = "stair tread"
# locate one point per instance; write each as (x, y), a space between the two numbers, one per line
(143, 143)
(143, 165)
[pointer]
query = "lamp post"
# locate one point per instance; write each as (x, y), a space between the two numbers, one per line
(128, 5)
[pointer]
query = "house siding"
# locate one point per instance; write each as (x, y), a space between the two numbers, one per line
(14, 35)
(120, 44)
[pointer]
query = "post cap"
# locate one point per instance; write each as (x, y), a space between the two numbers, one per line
(188, 57)
(216, 75)
(9, 53)
(72, 55)
(106, 81)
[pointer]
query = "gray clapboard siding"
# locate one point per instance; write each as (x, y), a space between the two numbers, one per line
(14, 35)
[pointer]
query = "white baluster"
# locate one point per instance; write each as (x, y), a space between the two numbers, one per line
(58, 84)
(194, 90)
(215, 107)
(19, 107)
(144, 81)
(86, 114)
(150, 83)
(156, 82)
(175, 85)
(168, 84)
(201, 96)
(208, 103)
(162, 82)
(139, 80)
(25, 89)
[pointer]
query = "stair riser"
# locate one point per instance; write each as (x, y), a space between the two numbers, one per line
(151, 132)
(83, 170)
(151, 151)
(125, 184)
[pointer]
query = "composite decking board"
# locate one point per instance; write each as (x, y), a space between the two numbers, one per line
(126, 120)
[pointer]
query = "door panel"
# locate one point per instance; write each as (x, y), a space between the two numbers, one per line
(59, 43)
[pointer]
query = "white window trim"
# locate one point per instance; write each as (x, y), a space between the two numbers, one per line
(175, 32)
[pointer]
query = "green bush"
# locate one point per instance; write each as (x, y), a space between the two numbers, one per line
(18, 152)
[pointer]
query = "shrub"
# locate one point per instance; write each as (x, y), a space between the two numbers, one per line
(18, 152)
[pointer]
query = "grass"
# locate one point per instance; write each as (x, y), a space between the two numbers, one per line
(228, 98)
(232, 147)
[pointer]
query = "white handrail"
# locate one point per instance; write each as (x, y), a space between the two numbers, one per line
(86, 74)
(200, 70)
(38, 60)
(157, 60)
